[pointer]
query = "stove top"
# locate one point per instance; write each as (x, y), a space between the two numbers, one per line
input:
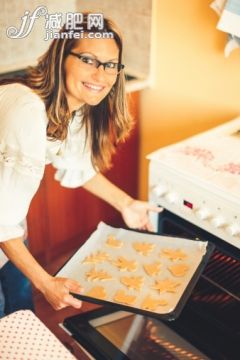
(211, 158)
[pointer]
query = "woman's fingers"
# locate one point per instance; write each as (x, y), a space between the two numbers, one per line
(146, 225)
(57, 293)
(73, 286)
(70, 300)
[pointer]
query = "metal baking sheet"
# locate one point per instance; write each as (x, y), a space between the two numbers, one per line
(197, 253)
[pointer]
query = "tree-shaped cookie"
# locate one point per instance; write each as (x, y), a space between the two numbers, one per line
(152, 269)
(132, 282)
(97, 257)
(174, 254)
(166, 285)
(150, 303)
(124, 264)
(122, 297)
(113, 242)
(143, 248)
(97, 292)
(101, 275)
(178, 269)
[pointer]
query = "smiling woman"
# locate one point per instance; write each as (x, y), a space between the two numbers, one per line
(69, 110)
(89, 80)
(70, 86)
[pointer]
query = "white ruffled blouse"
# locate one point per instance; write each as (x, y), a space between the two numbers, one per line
(25, 150)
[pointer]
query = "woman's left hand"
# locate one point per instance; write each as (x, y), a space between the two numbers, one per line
(136, 214)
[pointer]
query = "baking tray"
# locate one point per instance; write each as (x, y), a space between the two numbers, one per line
(97, 264)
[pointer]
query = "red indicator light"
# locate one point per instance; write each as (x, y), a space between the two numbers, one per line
(188, 204)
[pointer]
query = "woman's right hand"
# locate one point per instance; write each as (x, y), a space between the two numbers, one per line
(57, 292)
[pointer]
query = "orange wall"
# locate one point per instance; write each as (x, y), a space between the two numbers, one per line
(194, 86)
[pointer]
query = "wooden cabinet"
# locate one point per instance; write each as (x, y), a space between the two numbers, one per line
(60, 219)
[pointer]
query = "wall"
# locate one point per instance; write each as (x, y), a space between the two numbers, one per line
(133, 17)
(194, 87)
(15, 52)
(18, 53)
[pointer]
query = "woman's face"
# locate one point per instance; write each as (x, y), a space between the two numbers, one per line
(88, 84)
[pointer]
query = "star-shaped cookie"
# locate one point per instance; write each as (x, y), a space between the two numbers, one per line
(133, 282)
(122, 297)
(143, 248)
(113, 242)
(152, 304)
(166, 285)
(174, 254)
(178, 269)
(97, 292)
(124, 264)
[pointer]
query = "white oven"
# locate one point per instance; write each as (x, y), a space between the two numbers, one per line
(198, 179)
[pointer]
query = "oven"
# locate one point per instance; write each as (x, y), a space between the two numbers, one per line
(198, 187)
(211, 317)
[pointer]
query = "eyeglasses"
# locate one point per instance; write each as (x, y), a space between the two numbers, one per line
(110, 68)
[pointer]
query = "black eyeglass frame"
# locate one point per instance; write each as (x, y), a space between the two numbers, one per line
(99, 63)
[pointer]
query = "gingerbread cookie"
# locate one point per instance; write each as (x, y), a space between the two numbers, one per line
(122, 297)
(152, 304)
(113, 242)
(124, 264)
(97, 292)
(178, 269)
(143, 248)
(152, 269)
(133, 282)
(98, 257)
(93, 275)
(165, 286)
(174, 254)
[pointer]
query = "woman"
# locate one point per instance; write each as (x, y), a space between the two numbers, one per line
(70, 110)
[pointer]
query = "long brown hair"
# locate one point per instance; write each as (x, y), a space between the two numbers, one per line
(106, 124)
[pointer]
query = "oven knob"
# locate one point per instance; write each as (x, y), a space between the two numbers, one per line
(160, 190)
(233, 229)
(218, 221)
(203, 214)
(171, 197)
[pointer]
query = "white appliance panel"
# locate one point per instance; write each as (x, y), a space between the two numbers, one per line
(198, 179)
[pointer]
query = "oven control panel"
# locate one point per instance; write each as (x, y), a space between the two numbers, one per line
(209, 210)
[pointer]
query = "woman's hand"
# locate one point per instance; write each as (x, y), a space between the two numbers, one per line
(136, 214)
(57, 292)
